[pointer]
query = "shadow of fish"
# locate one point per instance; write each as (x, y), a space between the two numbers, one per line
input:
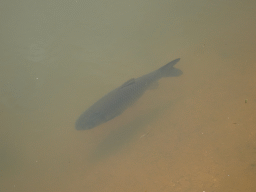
(117, 101)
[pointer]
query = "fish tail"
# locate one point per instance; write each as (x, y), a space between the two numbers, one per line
(169, 71)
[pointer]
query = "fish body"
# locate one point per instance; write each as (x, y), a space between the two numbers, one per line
(117, 101)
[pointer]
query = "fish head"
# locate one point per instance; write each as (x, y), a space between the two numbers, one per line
(89, 120)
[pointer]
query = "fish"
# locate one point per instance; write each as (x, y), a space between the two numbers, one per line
(118, 100)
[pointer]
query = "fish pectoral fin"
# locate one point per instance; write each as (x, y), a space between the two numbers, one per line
(154, 85)
(127, 83)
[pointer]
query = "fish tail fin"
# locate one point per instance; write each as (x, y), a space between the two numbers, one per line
(169, 71)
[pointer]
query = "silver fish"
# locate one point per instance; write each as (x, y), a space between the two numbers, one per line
(117, 101)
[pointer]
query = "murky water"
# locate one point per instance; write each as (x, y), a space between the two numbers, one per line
(193, 133)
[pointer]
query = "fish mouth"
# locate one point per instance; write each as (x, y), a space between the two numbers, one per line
(79, 128)
(83, 126)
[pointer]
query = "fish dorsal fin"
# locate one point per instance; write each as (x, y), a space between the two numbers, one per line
(127, 83)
